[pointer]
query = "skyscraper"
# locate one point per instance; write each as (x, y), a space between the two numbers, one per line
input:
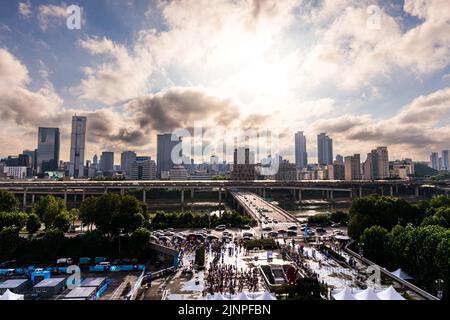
(301, 156)
(165, 146)
(77, 147)
(324, 149)
(445, 160)
(434, 160)
(127, 158)
(48, 149)
(107, 162)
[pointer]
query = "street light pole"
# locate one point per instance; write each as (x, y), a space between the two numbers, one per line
(440, 293)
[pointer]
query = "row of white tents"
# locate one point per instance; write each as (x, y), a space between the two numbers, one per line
(243, 296)
(10, 296)
(368, 294)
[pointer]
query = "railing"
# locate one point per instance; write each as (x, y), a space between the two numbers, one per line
(407, 284)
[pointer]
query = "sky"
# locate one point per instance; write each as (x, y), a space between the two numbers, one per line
(368, 73)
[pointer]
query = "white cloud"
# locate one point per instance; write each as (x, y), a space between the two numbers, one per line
(51, 12)
(25, 9)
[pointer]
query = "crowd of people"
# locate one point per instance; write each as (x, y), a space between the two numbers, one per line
(221, 277)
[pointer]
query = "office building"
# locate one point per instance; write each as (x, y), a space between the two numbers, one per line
(178, 172)
(353, 167)
(15, 172)
(143, 168)
(324, 149)
(340, 159)
(301, 156)
(77, 147)
(107, 162)
(127, 159)
(243, 165)
(434, 160)
(445, 160)
(48, 149)
(336, 171)
(165, 145)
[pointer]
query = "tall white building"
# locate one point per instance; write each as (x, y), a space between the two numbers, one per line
(301, 156)
(383, 163)
(77, 147)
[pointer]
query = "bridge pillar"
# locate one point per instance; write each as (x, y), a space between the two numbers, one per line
(331, 195)
(25, 200)
(122, 191)
(32, 199)
(65, 197)
(192, 194)
(264, 193)
(182, 197)
(220, 201)
(105, 191)
(360, 191)
(83, 196)
(416, 191)
(300, 195)
(382, 190)
(391, 190)
(144, 196)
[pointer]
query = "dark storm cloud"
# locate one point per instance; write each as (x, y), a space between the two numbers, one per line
(180, 108)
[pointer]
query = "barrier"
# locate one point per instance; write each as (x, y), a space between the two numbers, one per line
(407, 284)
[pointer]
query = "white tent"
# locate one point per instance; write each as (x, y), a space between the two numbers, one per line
(266, 296)
(344, 294)
(8, 295)
(368, 294)
(401, 274)
(242, 296)
(390, 294)
(218, 296)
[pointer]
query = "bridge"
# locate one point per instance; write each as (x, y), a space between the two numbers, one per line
(27, 190)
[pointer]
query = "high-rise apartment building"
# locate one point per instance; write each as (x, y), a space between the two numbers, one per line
(434, 160)
(445, 160)
(301, 156)
(77, 147)
(382, 163)
(353, 167)
(107, 162)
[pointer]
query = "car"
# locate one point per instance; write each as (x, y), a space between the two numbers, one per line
(273, 234)
(282, 231)
(320, 230)
(335, 225)
(105, 264)
(221, 227)
(275, 221)
(292, 228)
(246, 227)
(291, 233)
(247, 234)
(247, 238)
(267, 228)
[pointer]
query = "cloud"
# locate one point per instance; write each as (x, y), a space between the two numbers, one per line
(124, 75)
(180, 107)
(25, 9)
(413, 131)
(51, 12)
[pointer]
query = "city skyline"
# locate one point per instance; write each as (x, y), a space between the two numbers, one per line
(286, 67)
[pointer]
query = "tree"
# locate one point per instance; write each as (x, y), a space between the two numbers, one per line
(87, 211)
(140, 239)
(9, 240)
(62, 221)
(8, 202)
(339, 217)
(74, 215)
(13, 219)
(376, 242)
(33, 223)
(48, 208)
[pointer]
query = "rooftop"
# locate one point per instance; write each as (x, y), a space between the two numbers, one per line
(92, 282)
(12, 283)
(80, 292)
(52, 282)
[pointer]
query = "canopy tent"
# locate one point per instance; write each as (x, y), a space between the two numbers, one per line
(390, 294)
(368, 294)
(401, 274)
(266, 296)
(344, 294)
(242, 296)
(8, 295)
(218, 296)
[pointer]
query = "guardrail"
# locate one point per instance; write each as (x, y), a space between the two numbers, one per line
(407, 284)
